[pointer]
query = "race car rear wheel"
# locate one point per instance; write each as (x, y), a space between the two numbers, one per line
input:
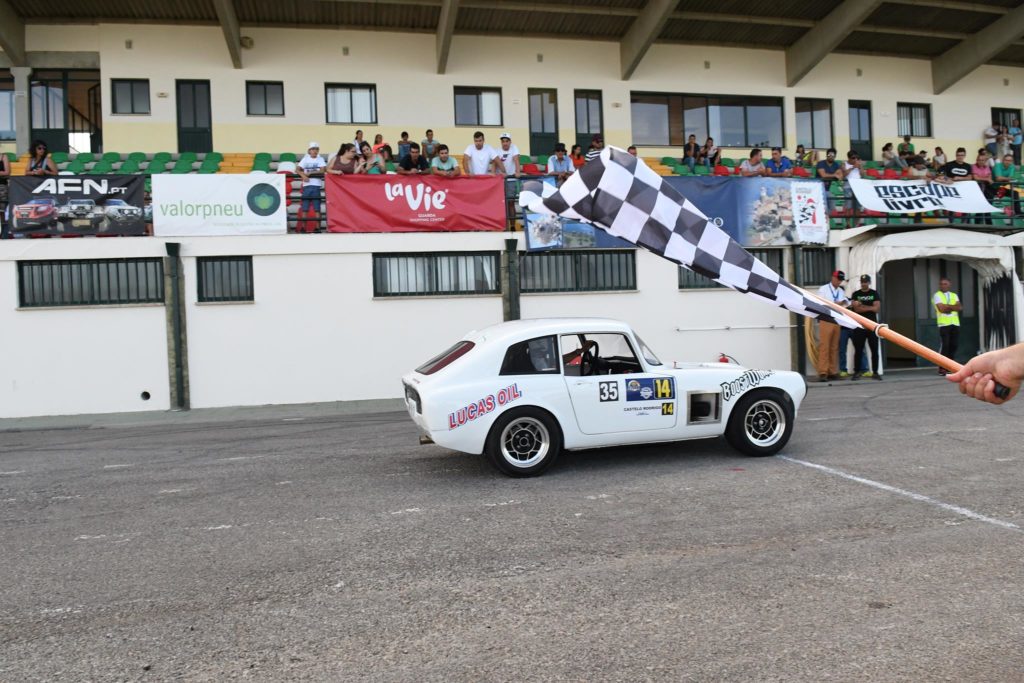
(524, 442)
(761, 423)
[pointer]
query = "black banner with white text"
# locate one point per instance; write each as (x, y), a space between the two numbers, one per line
(77, 205)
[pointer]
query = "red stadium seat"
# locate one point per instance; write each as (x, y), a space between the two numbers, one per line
(801, 172)
(891, 174)
(722, 170)
(873, 172)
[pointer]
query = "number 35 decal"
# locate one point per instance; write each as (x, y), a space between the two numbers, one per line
(608, 391)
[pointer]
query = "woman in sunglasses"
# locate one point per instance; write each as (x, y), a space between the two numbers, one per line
(40, 164)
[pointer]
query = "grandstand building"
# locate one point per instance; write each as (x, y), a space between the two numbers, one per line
(232, 86)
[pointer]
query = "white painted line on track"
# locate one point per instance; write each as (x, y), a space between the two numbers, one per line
(970, 514)
(13, 472)
(117, 467)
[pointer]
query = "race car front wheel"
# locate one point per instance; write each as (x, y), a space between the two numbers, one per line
(761, 423)
(523, 442)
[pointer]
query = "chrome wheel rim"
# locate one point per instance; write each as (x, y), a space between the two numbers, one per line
(525, 441)
(764, 423)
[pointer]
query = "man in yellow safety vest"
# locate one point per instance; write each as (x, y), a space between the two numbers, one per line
(947, 314)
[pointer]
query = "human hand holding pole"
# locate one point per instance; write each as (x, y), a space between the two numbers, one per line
(982, 376)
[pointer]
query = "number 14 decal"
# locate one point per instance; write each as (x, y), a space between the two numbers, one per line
(608, 391)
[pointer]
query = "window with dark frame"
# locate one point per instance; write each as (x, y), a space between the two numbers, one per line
(350, 103)
(478, 106)
(589, 118)
(93, 282)
(688, 279)
(665, 120)
(7, 112)
(914, 119)
(436, 274)
(264, 98)
(813, 123)
(816, 266)
(224, 279)
(579, 270)
(129, 95)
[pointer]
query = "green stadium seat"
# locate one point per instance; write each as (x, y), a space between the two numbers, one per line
(129, 166)
(59, 157)
(263, 156)
(76, 166)
(701, 169)
(137, 157)
(682, 169)
(111, 157)
(542, 160)
(85, 157)
(156, 167)
(182, 166)
(214, 156)
(101, 167)
(391, 166)
(525, 159)
(287, 156)
(187, 156)
(669, 161)
(727, 162)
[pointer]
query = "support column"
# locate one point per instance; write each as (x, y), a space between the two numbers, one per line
(22, 118)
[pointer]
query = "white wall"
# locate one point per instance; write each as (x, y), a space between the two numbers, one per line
(315, 332)
(65, 361)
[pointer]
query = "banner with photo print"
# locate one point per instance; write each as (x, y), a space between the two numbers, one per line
(219, 204)
(760, 212)
(77, 205)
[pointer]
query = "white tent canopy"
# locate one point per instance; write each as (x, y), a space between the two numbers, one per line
(991, 255)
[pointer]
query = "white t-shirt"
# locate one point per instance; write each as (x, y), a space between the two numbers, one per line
(480, 159)
(317, 163)
(508, 159)
(836, 294)
(990, 135)
(850, 171)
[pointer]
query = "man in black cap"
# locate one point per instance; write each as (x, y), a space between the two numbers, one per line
(867, 303)
(828, 332)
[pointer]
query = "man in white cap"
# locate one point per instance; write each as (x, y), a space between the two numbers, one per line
(311, 170)
(508, 157)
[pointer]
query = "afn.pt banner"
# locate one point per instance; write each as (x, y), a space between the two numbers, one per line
(219, 204)
(77, 205)
(760, 212)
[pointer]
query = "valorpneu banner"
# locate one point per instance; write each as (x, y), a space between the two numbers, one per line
(414, 203)
(219, 204)
(917, 196)
(77, 205)
(760, 212)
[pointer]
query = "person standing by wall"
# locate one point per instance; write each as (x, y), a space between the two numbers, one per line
(311, 170)
(828, 332)
(947, 314)
(868, 303)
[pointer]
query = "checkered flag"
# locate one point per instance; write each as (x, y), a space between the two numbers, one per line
(618, 193)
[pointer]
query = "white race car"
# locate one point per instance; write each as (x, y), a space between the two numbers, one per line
(522, 391)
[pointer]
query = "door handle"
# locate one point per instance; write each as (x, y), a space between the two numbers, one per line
(579, 383)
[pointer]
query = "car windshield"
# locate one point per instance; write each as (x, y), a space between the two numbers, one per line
(647, 353)
(40, 201)
(115, 202)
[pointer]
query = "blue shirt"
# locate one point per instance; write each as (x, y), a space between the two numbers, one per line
(563, 166)
(783, 166)
(1016, 133)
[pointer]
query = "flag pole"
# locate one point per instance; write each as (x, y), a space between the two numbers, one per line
(887, 333)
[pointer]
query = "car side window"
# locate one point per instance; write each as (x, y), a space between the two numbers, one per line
(598, 354)
(531, 357)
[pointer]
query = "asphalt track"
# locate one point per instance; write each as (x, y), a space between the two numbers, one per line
(302, 544)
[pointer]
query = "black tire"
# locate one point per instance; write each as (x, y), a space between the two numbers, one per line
(524, 442)
(761, 423)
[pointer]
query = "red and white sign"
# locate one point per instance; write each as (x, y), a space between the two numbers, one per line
(395, 203)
